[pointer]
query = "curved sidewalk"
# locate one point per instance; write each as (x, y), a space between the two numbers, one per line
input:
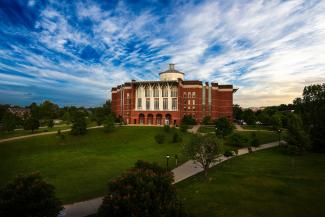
(186, 170)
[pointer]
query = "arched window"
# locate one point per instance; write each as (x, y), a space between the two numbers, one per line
(164, 92)
(174, 92)
(147, 92)
(155, 92)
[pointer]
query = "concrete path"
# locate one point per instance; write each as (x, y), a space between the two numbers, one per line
(239, 128)
(194, 129)
(186, 170)
(40, 134)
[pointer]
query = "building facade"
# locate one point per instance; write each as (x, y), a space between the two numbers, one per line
(167, 100)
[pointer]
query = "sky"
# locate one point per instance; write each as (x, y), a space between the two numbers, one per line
(74, 52)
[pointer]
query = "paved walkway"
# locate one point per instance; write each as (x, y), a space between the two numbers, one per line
(239, 128)
(186, 170)
(40, 134)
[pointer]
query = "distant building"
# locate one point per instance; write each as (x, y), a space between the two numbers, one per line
(167, 100)
(19, 112)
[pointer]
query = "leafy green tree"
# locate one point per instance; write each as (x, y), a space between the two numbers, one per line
(311, 107)
(109, 124)
(276, 121)
(35, 111)
(224, 127)
(144, 191)
(49, 110)
(249, 117)
(204, 149)
(99, 115)
(254, 141)
(66, 117)
(297, 140)
(31, 123)
(238, 112)
(237, 140)
(29, 195)
(188, 119)
(79, 126)
(263, 117)
(9, 121)
(50, 123)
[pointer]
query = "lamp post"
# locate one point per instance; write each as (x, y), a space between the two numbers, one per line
(167, 158)
(279, 133)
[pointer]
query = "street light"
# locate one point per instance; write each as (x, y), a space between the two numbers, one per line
(279, 133)
(167, 158)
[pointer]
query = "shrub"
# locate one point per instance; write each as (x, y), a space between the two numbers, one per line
(176, 137)
(50, 123)
(189, 120)
(237, 140)
(228, 153)
(145, 190)
(29, 195)
(207, 120)
(166, 128)
(254, 141)
(109, 124)
(183, 127)
(79, 126)
(160, 138)
(223, 127)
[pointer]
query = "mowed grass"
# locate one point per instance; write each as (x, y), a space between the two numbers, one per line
(265, 183)
(81, 166)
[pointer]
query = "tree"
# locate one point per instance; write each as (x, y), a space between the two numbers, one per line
(9, 121)
(311, 108)
(188, 119)
(49, 110)
(237, 140)
(50, 123)
(223, 127)
(109, 124)
(203, 149)
(254, 141)
(249, 116)
(66, 117)
(276, 121)
(98, 115)
(31, 123)
(79, 125)
(145, 190)
(238, 112)
(297, 140)
(29, 195)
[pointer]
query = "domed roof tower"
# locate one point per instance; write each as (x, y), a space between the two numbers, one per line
(171, 74)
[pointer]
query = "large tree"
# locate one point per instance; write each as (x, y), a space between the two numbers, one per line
(79, 125)
(29, 196)
(311, 107)
(31, 123)
(145, 190)
(224, 127)
(9, 121)
(204, 149)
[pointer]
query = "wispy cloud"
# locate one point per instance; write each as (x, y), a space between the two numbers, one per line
(74, 52)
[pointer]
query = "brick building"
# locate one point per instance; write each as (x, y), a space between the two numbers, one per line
(167, 100)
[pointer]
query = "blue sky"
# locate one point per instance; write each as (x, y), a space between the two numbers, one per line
(73, 52)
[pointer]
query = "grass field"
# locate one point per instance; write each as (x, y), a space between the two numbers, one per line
(80, 166)
(265, 183)
(256, 127)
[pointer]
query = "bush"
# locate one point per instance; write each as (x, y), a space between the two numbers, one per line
(176, 138)
(144, 191)
(79, 126)
(183, 127)
(27, 196)
(228, 153)
(223, 127)
(237, 140)
(207, 120)
(50, 123)
(254, 141)
(188, 119)
(160, 138)
(166, 128)
(109, 124)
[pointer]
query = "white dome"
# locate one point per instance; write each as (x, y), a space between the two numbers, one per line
(171, 74)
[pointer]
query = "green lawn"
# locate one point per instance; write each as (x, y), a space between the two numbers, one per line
(263, 136)
(265, 183)
(80, 166)
(256, 127)
(207, 129)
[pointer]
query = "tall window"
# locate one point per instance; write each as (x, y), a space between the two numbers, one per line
(147, 104)
(193, 94)
(174, 103)
(188, 102)
(164, 92)
(185, 94)
(165, 104)
(193, 102)
(189, 94)
(174, 92)
(139, 103)
(147, 92)
(156, 92)
(156, 104)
